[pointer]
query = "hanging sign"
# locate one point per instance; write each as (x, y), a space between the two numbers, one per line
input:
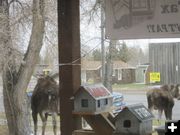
(138, 19)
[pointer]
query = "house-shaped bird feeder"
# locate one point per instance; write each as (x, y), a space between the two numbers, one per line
(134, 120)
(92, 99)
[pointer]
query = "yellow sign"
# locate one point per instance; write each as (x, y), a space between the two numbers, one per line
(155, 77)
(46, 71)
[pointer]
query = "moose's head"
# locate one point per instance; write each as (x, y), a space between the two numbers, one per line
(175, 90)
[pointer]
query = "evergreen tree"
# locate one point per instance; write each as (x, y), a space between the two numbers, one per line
(97, 54)
(123, 53)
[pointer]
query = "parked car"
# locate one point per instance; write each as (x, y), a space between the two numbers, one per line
(118, 102)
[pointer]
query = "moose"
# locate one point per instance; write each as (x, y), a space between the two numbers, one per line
(44, 101)
(162, 99)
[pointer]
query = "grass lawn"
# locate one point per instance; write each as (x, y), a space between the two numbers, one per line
(131, 86)
(3, 130)
(49, 127)
(158, 123)
(2, 116)
(155, 133)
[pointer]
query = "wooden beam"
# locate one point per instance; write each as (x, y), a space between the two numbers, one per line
(69, 62)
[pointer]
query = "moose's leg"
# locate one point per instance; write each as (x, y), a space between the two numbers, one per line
(44, 120)
(150, 102)
(168, 113)
(54, 123)
(168, 109)
(160, 111)
(34, 115)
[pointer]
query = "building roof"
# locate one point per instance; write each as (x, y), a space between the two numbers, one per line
(90, 65)
(143, 65)
(139, 110)
(97, 91)
(95, 65)
(121, 65)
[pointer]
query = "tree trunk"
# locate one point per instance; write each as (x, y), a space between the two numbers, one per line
(15, 81)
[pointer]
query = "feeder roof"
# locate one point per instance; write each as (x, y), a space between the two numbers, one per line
(97, 91)
(139, 110)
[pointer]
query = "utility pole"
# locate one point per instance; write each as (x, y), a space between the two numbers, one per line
(109, 65)
(102, 42)
(106, 67)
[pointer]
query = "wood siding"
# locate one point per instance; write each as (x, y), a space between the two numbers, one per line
(128, 76)
(164, 58)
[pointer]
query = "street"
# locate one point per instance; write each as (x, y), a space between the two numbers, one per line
(130, 97)
(140, 97)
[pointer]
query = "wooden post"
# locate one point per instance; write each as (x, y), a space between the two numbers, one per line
(69, 62)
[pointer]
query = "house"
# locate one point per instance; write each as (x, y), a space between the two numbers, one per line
(123, 73)
(40, 69)
(135, 120)
(91, 71)
(92, 99)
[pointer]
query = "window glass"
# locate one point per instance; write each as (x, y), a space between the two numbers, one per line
(84, 103)
(127, 124)
(105, 101)
(114, 72)
(99, 103)
(119, 74)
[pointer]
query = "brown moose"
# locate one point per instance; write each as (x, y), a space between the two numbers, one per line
(161, 99)
(44, 101)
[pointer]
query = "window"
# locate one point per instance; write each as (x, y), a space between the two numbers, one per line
(127, 124)
(119, 74)
(144, 71)
(114, 72)
(84, 103)
(99, 103)
(105, 101)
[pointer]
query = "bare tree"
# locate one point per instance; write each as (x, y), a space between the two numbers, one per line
(16, 75)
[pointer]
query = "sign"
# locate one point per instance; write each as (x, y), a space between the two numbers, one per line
(138, 19)
(143, 112)
(140, 111)
(155, 77)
